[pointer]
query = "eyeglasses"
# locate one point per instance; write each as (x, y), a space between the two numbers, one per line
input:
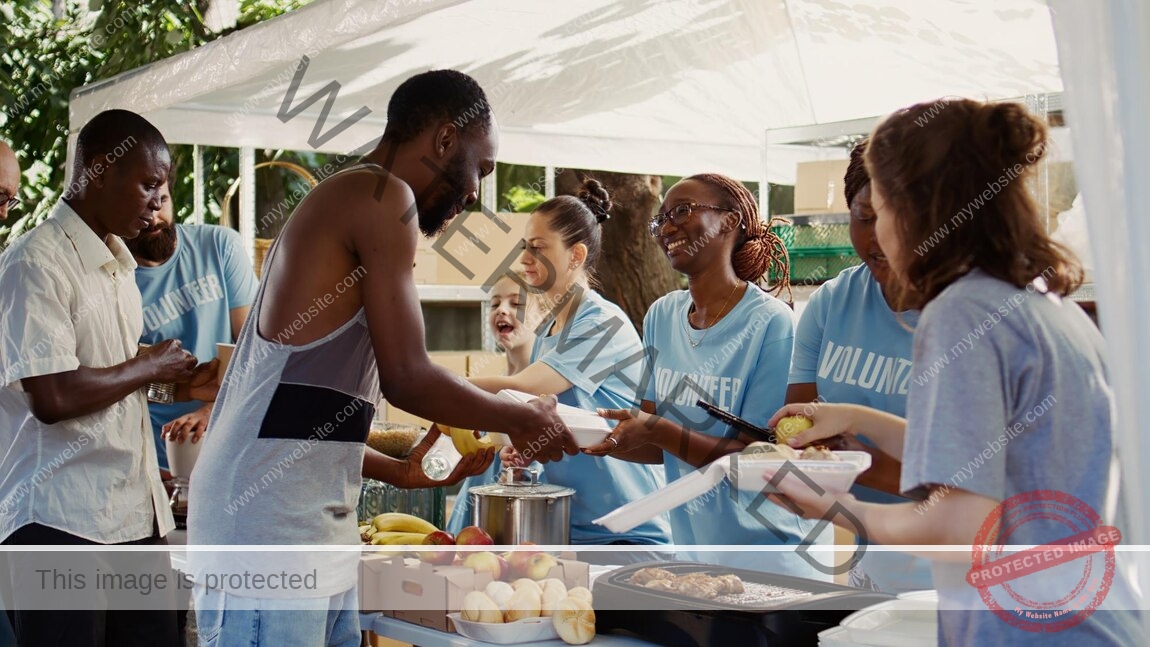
(10, 200)
(680, 214)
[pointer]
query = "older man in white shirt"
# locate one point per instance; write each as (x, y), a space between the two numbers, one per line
(79, 465)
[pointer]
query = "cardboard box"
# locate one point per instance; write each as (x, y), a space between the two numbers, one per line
(486, 365)
(423, 594)
(456, 362)
(478, 263)
(819, 187)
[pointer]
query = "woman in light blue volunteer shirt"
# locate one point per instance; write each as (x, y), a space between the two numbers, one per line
(1009, 432)
(581, 356)
(727, 341)
(851, 346)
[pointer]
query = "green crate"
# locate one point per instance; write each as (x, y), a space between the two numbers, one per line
(814, 269)
(814, 237)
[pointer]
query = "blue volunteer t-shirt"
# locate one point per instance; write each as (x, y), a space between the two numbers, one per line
(740, 366)
(856, 350)
(602, 378)
(189, 297)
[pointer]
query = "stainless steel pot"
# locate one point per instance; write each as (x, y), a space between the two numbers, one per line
(519, 508)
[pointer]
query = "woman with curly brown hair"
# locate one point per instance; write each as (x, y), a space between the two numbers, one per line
(1008, 389)
(724, 340)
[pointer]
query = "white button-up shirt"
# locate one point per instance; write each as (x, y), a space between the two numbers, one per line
(68, 299)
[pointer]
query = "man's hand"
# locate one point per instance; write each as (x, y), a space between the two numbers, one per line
(632, 432)
(539, 434)
(470, 465)
(168, 362)
(191, 425)
(205, 382)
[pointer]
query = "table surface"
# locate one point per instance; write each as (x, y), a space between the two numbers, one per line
(425, 637)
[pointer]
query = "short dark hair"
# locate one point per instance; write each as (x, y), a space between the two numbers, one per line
(113, 130)
(432, 98)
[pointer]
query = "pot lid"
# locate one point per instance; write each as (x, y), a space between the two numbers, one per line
(522, 483)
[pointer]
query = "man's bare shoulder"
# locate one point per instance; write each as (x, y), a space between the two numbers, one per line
(364, 191)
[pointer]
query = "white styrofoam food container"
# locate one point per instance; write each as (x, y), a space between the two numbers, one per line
(587, 427)
(910, 621)
(833, 476)
(521, 631)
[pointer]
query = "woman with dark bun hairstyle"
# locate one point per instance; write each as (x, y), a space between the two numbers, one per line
(1008, 386)
(578, 355)
(725, 340)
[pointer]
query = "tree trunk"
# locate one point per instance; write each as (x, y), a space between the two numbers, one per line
(632, 270)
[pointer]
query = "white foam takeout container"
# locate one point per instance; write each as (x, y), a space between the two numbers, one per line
(911, 620)
(587, 427)
(521, 631)
(833, 476)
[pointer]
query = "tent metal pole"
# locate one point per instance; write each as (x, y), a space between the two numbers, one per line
(248, 200)
(765, 182)
(197, 185)
(549, 182)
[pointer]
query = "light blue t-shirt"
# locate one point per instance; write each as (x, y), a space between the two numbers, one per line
(739, 366)
(1010, 396)
(856, 350)
(602, 377)
(189, 297)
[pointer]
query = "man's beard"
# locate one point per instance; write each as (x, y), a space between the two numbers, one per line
(440, 208)
(155, 244)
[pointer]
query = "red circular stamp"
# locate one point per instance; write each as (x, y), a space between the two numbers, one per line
(1061, 580)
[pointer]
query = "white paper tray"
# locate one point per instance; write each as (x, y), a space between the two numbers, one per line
(512, 633)
(588, 427)
(909, 621)
(834, 476)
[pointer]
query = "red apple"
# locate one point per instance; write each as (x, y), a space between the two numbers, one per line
(474, 536)
(518, 561)
(539, 566)
(438, 557)
(483, 562)
(504, 567)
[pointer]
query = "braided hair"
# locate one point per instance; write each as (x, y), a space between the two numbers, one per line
(856, 176)
(758, 251)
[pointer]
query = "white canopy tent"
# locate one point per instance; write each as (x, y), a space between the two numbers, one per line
(641, 86)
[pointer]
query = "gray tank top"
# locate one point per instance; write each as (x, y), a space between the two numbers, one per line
(283, 455)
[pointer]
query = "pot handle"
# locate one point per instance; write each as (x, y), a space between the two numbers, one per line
(511, 474)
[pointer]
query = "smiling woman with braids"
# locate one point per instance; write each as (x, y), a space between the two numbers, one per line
(724, 340)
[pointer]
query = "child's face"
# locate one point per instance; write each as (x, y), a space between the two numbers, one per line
(886, 228)
(506, 304)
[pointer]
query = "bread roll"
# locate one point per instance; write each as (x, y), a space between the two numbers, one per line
(478, 607)
(582, 593)
(523, 581)
(524, 603)
(574, 621)
(554, 583)
(551, 597)
(499, 592)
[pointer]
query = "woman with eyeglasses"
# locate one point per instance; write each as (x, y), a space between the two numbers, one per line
(580, 354)
(724, 340)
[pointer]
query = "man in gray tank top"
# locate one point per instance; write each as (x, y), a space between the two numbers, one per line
(336, 322)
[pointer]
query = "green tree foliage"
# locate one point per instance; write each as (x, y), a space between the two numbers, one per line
(43, 58)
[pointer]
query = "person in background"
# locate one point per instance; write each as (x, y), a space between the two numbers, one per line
(1028, 391)
(852, 346)
(9, 180)
(580, 353)
(72, 403)
(724, 340)
(197, 285)
(512, 316)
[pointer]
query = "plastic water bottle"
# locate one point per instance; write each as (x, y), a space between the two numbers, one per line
(441, 459)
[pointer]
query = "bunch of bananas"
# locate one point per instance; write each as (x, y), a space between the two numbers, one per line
(395, 529)
(465, 441)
